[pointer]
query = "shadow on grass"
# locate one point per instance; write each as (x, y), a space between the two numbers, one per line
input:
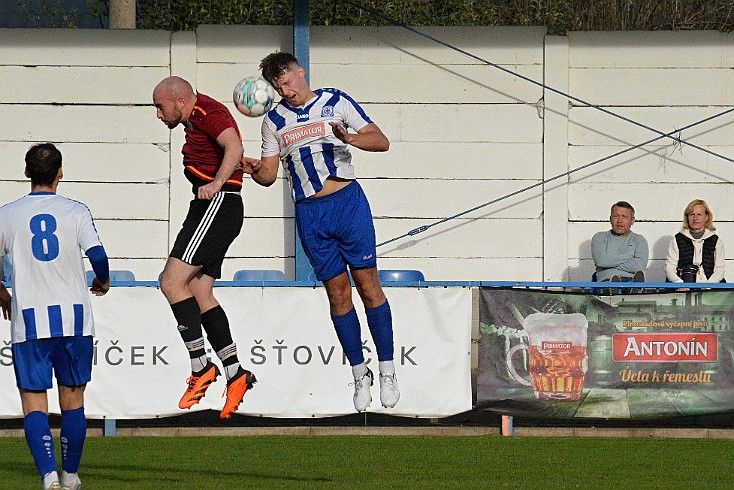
(163, 475)
(156, 476)
(26, 469)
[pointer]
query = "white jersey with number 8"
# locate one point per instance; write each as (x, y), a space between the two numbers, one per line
(45, 236)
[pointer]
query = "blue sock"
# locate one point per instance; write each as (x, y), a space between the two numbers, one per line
(379, 320)
(350, 337)
(40, 442)
(73, 434)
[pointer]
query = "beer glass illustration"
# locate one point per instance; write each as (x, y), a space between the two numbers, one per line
(558, 355)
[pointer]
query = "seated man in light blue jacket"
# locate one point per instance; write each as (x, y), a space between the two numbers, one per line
(620, 254)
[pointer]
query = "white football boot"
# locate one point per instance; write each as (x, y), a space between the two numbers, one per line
(362, 395)
(389, 392)
(70, 481)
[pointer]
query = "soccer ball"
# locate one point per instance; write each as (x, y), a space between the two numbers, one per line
(253, 96)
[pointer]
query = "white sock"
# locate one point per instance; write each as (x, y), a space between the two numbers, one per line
(50, 478)
(225, 355)
(359, 370)
(199, 363)
(231, 370)
(387, 368)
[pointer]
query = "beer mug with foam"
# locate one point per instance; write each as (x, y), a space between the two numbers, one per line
(558, 355)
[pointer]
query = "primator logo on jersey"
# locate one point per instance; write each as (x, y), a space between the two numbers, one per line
(665, 347)
(302, 133)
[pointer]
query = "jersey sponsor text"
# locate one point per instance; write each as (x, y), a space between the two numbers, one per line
(300, 134)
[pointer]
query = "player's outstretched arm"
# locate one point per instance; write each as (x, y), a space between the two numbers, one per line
(5, 301)
(264, 171)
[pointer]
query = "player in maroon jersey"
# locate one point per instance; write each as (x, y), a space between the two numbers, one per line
(211, 156)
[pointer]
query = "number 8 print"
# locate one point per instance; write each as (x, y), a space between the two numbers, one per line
(45, 244)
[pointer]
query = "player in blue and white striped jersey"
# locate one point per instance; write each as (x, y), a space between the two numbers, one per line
(308, 132)
(50, 311)
(304, 140)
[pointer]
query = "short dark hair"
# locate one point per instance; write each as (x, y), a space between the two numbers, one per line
(42, 162)
(625, 205)
(274, 64)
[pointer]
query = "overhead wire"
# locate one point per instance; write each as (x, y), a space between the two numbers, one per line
(661, 134)
(535, 82)
(423, 228)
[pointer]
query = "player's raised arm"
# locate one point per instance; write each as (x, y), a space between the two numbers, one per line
(369, 138)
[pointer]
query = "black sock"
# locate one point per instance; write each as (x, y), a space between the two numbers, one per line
(216, 325)
(188, 316)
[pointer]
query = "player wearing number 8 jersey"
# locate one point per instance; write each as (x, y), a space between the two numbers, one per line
(41, 232)
(45, 235)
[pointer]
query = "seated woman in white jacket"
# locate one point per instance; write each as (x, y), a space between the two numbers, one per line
(696, 249)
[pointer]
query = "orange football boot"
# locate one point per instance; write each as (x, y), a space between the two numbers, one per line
(198, 385)
(236, 389)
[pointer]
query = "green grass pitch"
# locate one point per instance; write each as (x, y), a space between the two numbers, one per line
(377, 462)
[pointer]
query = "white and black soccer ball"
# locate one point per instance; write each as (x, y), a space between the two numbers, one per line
(253, 96)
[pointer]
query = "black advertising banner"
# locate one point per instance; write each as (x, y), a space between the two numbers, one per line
(627, 356)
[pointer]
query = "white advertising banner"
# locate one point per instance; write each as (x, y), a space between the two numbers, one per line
(285, 336)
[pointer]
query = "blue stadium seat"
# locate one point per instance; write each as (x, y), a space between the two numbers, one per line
(312, 277)
(260, 275)
(395, 275)
(116, 275)
(400, 275)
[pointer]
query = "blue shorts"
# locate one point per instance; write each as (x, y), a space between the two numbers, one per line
(337, 231)
(69, 357)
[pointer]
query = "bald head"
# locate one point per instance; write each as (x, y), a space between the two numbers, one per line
(174, 99)
(174, 87)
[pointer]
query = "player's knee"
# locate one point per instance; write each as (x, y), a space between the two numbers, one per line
(371, 293)
(340, 298)
(170, 287)
(373, 297)
(71, 397)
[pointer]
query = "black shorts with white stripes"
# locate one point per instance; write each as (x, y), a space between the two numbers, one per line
(207, 232)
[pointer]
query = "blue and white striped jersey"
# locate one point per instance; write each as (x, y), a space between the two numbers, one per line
(302, 137)
(45, 236)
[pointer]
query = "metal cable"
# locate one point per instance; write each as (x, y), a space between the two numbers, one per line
(535, 82)
(423, 228)
(661, 134)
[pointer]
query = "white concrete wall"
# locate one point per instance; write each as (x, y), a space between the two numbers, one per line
(90, 91)
(463, 133)
(665, 80)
